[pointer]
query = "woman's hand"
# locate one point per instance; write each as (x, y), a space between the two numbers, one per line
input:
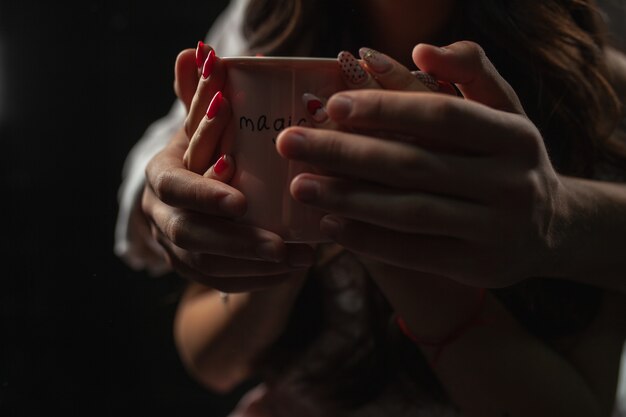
(192, 210)
(468, 193)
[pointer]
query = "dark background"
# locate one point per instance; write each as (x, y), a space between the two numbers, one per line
(80, 333)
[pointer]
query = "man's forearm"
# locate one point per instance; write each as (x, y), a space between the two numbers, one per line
(495, 368)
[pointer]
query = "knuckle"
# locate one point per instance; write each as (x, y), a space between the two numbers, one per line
(477, 61)
(533, 142)
(376, 107)
(535, 189)
(198, 195)
(527, 186)
(174, 229)
(161, 184)
(475, 52)
(525, 138)
(335, 152)
(189, 128)
(444, 110)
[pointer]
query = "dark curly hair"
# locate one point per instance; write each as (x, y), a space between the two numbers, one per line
(551, 52)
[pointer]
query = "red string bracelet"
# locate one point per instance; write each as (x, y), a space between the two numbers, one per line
(473, 320)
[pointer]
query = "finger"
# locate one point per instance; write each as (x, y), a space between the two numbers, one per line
(430, 254)
(177, 259)
(385, 162)
(213, 235)
(176, 186)
(391, 75)
(391, 208)
(222, 170)
(435, 85)
(230, 285)
(316, 112)
(353, 73)
(186, 77)
(203, 143)
(436, 121)
(298, 257)
(466, 65)
(211, 81)
(201, 54)
(317, 116)
(226, 267)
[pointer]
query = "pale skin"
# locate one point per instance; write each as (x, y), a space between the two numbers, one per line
(429, 294)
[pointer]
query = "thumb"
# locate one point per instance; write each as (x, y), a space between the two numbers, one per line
(222, 170)
(466, 65)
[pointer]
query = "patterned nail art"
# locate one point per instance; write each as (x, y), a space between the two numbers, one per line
(352, 70)
(428, 80)
(378, 62)
(315, 107)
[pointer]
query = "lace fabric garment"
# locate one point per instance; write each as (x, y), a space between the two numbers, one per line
(343, 280)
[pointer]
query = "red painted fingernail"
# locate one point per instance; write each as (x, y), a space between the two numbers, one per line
(200, 54)
(215, 104)
(207, 68)
(351, 69)
(315, 107)
(221, 165)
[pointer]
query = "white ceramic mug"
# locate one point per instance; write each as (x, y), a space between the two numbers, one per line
(266, 97)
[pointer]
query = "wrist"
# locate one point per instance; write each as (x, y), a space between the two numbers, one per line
(587, 238)
(432, 306)
(552, 257)
(433, 346)
(434, 322)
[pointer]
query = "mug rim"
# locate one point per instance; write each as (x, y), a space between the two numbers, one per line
(277, 60)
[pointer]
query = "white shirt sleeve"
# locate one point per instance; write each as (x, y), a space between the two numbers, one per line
(133, 240)
(620, 403)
